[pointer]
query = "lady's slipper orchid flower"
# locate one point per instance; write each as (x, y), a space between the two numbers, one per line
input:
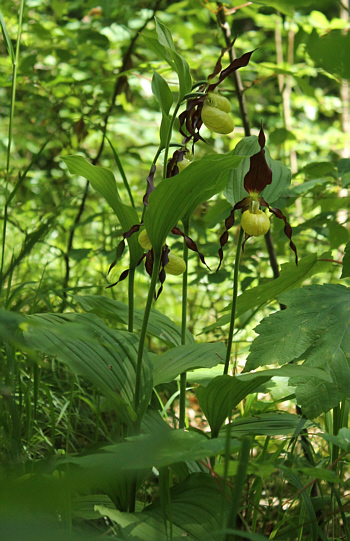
(254, 221)
(210, 108)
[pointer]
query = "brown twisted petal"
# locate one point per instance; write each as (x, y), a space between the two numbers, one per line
(235, 65)
(287, 227)
(229, 222)
(164, 260)
(122, 277)
(190, 244)
(150, 185)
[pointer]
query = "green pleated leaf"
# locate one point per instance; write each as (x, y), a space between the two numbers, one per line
(222, 395)
(159, 448)
(265, 424)
(106, 357)
(291, 277)
(159, 325)
(314, 328)
(198, 507)
(174, 196)
(180, 359)
(102, 180)
(281, 175)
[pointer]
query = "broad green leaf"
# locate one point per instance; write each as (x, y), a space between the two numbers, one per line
(265, 424)
(164, 35)
(342, 439)
(103, 181)
(291, 276)
(162, 92)
(159, 325)
(180, 359)
(289, 6)
(198, 507)
(140, 453)
(159, 50)
(331, 52)
(346, 262)
(179, 63)
(89, 348)
(316, 328)
(174, 196)
(183, 71)
(281, 175)
(164, 96)
(222, 395)
(205, 376)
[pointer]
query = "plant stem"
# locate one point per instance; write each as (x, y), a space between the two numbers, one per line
(239, 484)
(147, 311)
(182, 413)
(8, 156)
(234, 300)
(131, 284)
(167, 144)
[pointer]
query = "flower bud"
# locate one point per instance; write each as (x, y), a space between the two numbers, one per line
(175, 266)
(144, 240)
(217, 120)
(255, 225)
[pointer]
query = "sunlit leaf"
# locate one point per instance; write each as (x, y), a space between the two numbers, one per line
(174, 196)
(177, 360)
(291, 277)
(103, 181)
(314, 328)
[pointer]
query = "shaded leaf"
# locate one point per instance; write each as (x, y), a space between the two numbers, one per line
(198, 507)
(265, 424)
(107, 357)
(222, 395)
(159, 324)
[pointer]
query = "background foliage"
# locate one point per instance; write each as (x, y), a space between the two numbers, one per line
(82, 84)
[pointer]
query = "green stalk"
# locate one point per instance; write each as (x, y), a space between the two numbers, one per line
(151, 291)
(234, 300)
(131, 284)
(8, 157)
(239, 484)
(182, 413)
(167, 144)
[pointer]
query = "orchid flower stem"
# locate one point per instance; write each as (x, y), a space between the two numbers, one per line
(234, 300)
(131, 284)
(147, 311)
(168, 139)
(182, 414)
